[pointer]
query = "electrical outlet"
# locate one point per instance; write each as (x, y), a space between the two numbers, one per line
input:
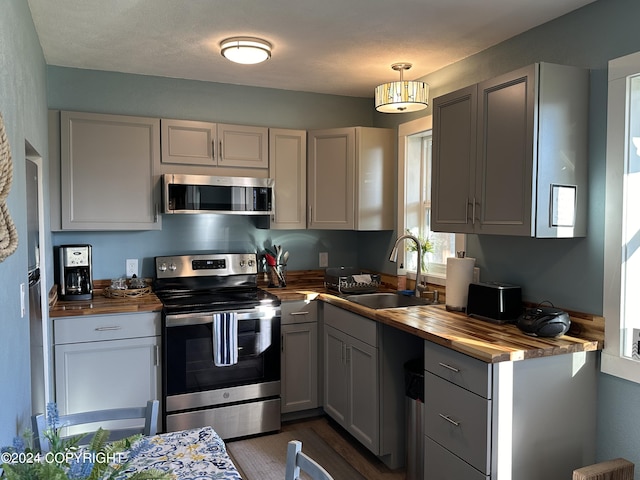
(323, 259)
(132, 267)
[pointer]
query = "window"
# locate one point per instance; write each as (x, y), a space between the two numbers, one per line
(414, 201)
(622, 221)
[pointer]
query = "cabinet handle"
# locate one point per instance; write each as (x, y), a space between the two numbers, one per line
(213, 150)
(449, 367)
(466, 210)
(221, 151)
(299, 313)
(449, 419)
(473, 212)
(157, 356)
(107, 329)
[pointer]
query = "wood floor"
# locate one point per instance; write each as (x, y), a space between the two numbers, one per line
(358, 456)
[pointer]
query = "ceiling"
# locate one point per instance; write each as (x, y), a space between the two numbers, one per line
(342, 47)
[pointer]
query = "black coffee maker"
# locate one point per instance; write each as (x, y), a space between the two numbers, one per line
(76, 277)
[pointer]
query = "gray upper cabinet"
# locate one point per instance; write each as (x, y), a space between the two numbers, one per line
(351, 179)
(188, 142)
(288, 168)
(510, 155)
(106, 172)
(202, 147)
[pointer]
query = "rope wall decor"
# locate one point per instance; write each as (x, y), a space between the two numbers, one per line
(8, 233)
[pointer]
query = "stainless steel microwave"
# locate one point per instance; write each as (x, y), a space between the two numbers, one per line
(209, 194)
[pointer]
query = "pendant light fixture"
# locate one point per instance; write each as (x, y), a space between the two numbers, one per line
(403, 96)
(245, 50)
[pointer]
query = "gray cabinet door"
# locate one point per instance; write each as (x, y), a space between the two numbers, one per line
(299, 367)
(107, 172)
(186, 142)
(454, 161)
(89, 374)
(336, 402)
(331, 179)
(506, 133)
(288, 168)
(364, 394)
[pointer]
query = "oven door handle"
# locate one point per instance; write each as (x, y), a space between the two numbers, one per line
(184, 319)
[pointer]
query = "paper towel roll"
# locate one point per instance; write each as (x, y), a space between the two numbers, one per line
(459, 276)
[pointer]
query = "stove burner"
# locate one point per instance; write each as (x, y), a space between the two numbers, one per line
(215, 300)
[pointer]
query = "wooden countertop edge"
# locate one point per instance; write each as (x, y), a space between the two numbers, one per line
(477, 338)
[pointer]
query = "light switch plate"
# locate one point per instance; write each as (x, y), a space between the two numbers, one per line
(323, 259)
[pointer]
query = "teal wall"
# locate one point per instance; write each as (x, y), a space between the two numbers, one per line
(95, 91)
(23, 106)
(567, 272)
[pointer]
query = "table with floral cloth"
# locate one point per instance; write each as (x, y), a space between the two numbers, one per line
(198, 454)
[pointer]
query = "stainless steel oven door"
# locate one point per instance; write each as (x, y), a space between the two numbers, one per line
(191, 378)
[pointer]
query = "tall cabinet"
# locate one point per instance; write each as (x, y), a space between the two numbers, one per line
(351, 179)
(510, 155)
(288, 168)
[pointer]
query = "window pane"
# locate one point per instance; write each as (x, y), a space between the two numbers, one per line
(631, 226)
(418, 207)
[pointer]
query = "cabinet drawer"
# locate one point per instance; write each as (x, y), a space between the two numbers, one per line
(93, 328)
(463, 370)
(299, 311)
(458, 420)
(441, 464)
(352, 324)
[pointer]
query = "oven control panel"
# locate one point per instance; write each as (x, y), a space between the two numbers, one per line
(214, 264)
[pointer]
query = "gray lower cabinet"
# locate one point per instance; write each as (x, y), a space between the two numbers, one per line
(299, 359)
(364, 380)
(525, 420)
(106, 361)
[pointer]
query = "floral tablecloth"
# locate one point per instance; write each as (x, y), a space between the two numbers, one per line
(198, 454)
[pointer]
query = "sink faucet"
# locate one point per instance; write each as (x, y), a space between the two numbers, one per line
(394, 258)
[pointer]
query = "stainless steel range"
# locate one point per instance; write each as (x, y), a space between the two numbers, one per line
(221, 345)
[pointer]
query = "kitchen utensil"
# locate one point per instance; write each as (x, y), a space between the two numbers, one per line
(271, 261)
(285, 257)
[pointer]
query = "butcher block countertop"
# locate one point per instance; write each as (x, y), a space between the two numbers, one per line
(480, 339)
(101, 305)
(483, 340)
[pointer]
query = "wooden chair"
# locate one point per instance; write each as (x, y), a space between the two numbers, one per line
(148, 413)
(297, 460)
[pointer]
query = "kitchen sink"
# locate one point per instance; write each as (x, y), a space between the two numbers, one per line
(382, 300)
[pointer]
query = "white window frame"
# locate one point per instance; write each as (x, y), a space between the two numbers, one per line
(405, 130)
(614, 362)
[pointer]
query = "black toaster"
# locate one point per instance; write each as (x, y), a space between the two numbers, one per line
(494, 301)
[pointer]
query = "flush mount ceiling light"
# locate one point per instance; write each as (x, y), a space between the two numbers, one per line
(403, 96)
(246, 50)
